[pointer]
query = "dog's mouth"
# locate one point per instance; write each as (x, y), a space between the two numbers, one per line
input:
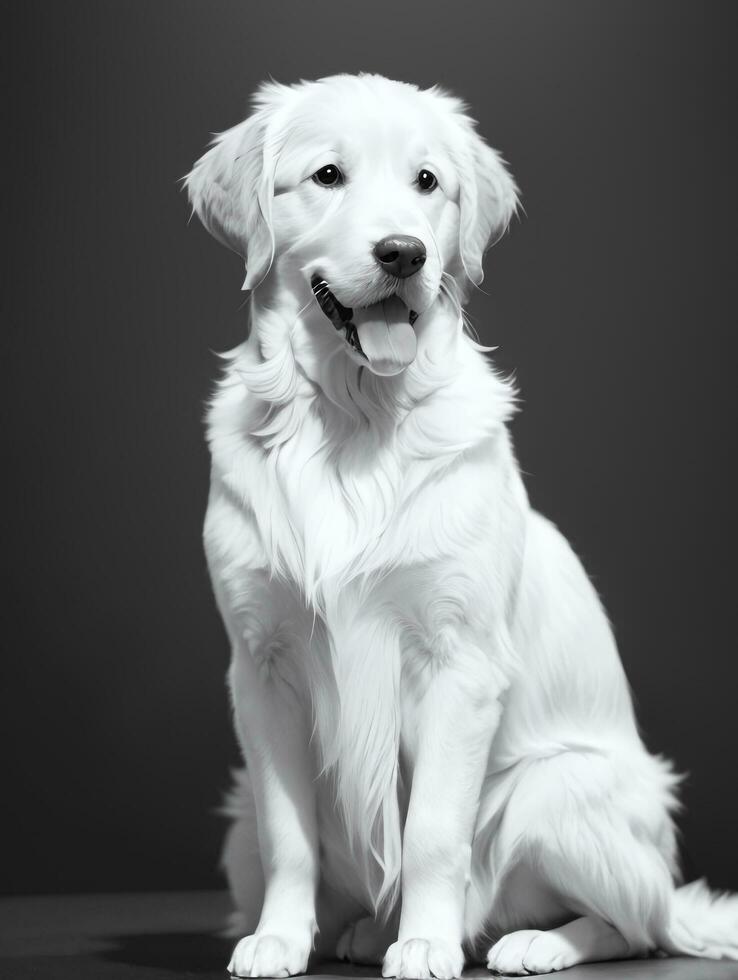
(380, 336)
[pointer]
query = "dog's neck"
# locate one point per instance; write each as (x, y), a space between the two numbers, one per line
(295, 364)
(305, 395)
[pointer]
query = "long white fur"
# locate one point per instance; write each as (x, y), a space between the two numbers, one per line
(426, 689)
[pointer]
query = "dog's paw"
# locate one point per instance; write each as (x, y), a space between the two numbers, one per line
(420, 959)
(364, 942)
(269, 956)
(530, 951)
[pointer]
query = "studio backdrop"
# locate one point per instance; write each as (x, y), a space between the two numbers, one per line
(611, 300)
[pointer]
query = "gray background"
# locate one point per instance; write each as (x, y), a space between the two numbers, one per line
(612, 299)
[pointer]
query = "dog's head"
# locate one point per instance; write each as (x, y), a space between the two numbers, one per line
(372, 195)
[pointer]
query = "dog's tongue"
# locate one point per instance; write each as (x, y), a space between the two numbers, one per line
(386, 336)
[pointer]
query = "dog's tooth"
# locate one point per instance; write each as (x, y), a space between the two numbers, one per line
(352, 338)
(337, 313)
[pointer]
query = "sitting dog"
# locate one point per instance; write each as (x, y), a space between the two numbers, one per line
(441, 758)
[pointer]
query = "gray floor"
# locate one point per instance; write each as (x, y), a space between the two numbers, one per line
(163, 936)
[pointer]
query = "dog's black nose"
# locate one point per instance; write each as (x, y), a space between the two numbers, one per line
(400, 255)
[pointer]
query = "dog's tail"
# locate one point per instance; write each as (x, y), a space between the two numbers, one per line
(704, 923)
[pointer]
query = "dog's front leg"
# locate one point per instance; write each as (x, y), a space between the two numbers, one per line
(458, 715)
(272, 727)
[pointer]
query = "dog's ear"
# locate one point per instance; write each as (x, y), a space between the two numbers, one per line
(488, 198)
(232, 185)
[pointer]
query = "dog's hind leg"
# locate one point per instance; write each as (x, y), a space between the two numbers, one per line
(585, 940)
(366, 940)
(593, 835)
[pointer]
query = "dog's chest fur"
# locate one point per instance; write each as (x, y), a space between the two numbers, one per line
(326, 518)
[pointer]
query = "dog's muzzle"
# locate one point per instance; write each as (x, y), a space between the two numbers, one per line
(379, 336)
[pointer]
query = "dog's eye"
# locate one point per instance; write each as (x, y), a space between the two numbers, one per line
(329, 176)
(426, 181)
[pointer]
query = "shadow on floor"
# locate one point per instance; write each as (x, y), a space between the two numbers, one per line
(186, 954)
(201, 955)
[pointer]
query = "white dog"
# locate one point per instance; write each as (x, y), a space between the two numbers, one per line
(441, 755)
